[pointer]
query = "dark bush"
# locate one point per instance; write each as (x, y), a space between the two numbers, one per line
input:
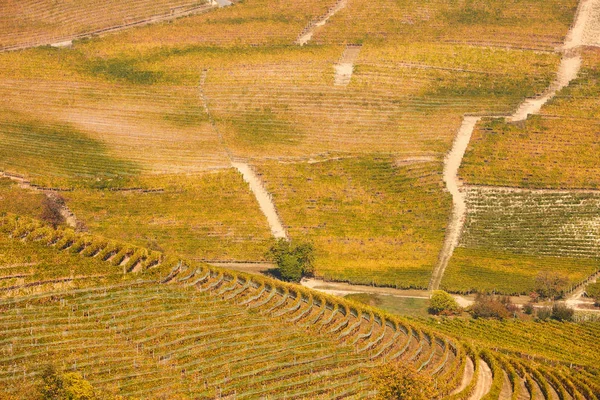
(560, 312)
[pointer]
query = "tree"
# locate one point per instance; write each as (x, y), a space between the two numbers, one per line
(550, 285)
(69, 386)
(51, 387)
(593, 290)
(442, 303)
(51, 210)
(290, 268)
(397, 381)
(293, 260)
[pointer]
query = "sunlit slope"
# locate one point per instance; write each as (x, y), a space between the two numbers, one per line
(520, 24)
(34, 22)
(163, 324)
(558, 149)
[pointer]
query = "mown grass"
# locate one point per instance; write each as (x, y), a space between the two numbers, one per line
(209, 216)
(558, 149)
(370, 221)
(406, 306)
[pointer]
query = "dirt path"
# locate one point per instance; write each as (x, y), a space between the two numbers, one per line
(506, 392)
(484, 381)
(264, 199)
(64, 211)
(265, 202)
(570, 65)
(345, 67)
(66, 41)
(311, 28)
(467, 376)
(453, 184)
(569, 68)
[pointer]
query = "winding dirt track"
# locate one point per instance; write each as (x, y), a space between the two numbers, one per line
(569, 68)
(484, 381)
(453, 184)
(467, 376)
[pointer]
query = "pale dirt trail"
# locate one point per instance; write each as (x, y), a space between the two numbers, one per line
(345, 67)
(467, 376)
(451, 165)
(484, 381)
(264, 199)
(569, 68)
(310, 30)
(265, 202)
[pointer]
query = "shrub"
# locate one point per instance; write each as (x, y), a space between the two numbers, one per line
(561, 312)
(544, 313)
(293, 261)
(396, 381)
(442, 303)
(528, 309)
(488, 307)
(51, 211)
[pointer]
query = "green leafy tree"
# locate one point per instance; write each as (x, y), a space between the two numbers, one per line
(442, 303)
(398, 381)
(593, 291)
(293, 260)
(560, 312)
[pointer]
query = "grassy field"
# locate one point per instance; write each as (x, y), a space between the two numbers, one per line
(370, 220)
(558, 149)
(509, 237)
(405, 306)
(208, 216)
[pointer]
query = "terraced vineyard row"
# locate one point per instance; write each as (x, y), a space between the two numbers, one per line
(243, 312)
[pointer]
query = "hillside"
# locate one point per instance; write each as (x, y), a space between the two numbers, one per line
(414, 145)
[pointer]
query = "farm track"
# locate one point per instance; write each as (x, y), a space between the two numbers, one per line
(308, 32)
(568, 69)
(264, 199)
(64, 41)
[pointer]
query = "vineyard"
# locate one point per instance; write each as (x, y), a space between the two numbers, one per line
(511, 236)
(160, 328)
(407, 144)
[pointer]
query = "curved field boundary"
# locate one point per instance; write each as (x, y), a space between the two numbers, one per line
(568, 70)
(376, 335)
(308, 32)
(52, 195)
(66, 41)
